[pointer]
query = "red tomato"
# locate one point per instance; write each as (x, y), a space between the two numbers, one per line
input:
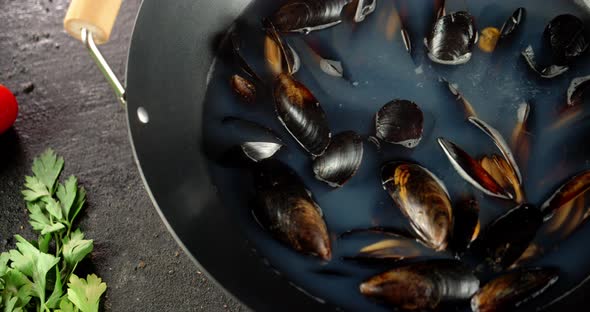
(8, 109)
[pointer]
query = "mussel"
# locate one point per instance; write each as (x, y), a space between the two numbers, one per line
(400, 122)
(506, 238)
(510, 290)
(243, 88)
(565, 34)
(301, 114)
(466, 224)
(285, 208)
(239, 58)
(489, 39)
(280, 56)
(512, 24)
(423, 285)
(466, 105)
(502, 172)
(391, 249)
(472, 171)
(341, 160)
(423, 199)
(249, 142)
(520, 136)
(305, 16)
(576, 186)
(452, 39)
(576, 90)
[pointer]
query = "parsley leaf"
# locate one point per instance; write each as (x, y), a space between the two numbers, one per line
(35, 189)
(40, 222)
(66, 193)
(67, 306)
(76, 248)
(47, 169)
(78, 204)
(85, 294)
(34, 264)
(17, 289)
(53, 207)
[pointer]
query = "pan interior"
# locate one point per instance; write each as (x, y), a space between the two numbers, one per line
(377, 70)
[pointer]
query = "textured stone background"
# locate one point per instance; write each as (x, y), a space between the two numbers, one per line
(66, 104)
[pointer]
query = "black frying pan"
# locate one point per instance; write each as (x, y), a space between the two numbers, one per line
(169, 59)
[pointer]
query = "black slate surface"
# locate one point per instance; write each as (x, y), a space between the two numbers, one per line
(66, 104)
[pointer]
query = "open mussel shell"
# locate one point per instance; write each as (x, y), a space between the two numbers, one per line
(500, 143)
(465, 224)
(248, 142)
(305, 16)
(502, 172)
(572, 189)
(576, 90)
(506, 238)
(452, 39)
(239, 58)
(280, 56)
(341, 160)
(285, 208)
(301, 114)
(565, 34)
(512, 289)
(470, 170)
(423, 199)
(390, 249)
(400, 122)
(548, 72)
(512, 24)
(424, 285)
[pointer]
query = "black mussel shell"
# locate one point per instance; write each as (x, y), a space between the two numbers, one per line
(572, 189)
(565, 34)
(465, 225)
(423, 199)
(248, 142)
(470, 170)
(280, 56)
(239, 58)
(548, 72)
(305, 16)
(341, 160)
(576, 90)
(452, 39)
(301, 113)
(285, 208)
(400, 122)
(510, 290)
(423, 285)
(512, 24)
(506, 238)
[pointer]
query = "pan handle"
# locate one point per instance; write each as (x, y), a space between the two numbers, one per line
(91, 21)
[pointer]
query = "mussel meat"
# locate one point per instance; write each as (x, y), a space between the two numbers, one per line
(466, 224)
(502, 172)
(301, 114)
(341, 160)
(520, 137)
(390, 249)
(510, 290)
(576, 90)
(472, 171)
(452, 39)
(489, 39)
(565, 34)
(248, 142)
(423, 199)
(305, 16)
(512, 24)
(280, 56)
(423, 285)
(400, 122)
(467, 107)
(243, 88)
(507, 237)
(500, 143)
(285, 208)
(576, 186)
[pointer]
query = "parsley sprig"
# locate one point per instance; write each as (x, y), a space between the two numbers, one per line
(39, 275)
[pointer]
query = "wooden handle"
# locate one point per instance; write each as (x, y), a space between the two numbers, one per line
(98, 16)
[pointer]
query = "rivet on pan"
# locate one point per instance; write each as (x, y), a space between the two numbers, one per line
(142, 115)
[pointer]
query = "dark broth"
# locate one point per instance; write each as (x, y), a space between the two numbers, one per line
(378, 69)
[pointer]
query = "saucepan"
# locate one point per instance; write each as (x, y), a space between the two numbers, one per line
(174, 48)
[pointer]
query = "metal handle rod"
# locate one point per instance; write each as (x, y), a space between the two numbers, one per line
(104, 67)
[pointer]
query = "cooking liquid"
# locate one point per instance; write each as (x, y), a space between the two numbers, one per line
(377, 70)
